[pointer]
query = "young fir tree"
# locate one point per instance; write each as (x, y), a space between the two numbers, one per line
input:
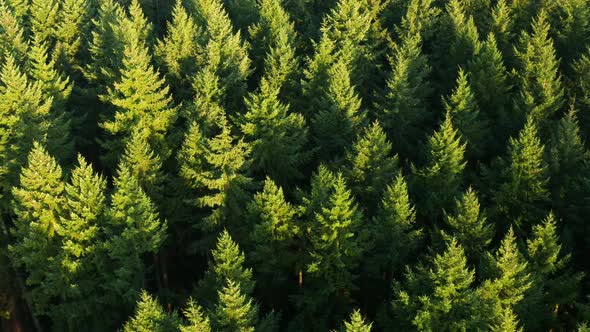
(12, 39)
(541, 91)
(38, 204)
(274, 235)
(440, 180)
(140, 98)
(133, 229)
(70, 32)
(18, 7)
(226, 63)
(356, 323)
(180, 51)
(470, 122)
(502, 28)
(215, 168)
(520, 199)
(571, 21)
(196, 319)
(24, 118)
(370, 166)
(44, 15)
(446, 300)
(469, 225)
(508, 323)
(149, 316)
(403, 112)
(235, 311)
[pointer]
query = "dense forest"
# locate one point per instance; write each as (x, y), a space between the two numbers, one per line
(294, 165)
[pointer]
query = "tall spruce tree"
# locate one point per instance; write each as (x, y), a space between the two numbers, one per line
(196, 318)
(70, 31)
(235, 311)
(12, 39)
(508, 323)
(43, 19)
(149, 316)
(357, 323)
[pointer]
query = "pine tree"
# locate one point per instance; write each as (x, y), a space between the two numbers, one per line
(141, 99)
(235, 311)
(469, 225)
(44, 17)
(197, 320)
(541, 92)
(357, 323)
(74, 21)
(12, 40)
(440, 180)
(581, 68)
(509, 322)
(403, 112)
(370, 167)
(38, 204)
(133, 229)
(24, 119)
(180, 51)
(149, 317)
(520, 198)
(470, 123)
(215, 167)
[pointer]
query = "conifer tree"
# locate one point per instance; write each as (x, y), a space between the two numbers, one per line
(136, 25)
(43, 18)
(541, 92)
(502, 27)
(464, 110)
(403, 112)
(141, 99)
(469, 225)
(357, 323)
(581, 68)
(197, 320)
(520, 198)
(38, 205)
(12, 40)
(370, 167)
(235, 311)
(18, 7)
(215, 167)
(243, 13)
(180, 51)
(70, 33)
(509, 322)
(149, 317)
(441, 178)
(571, 27)
(133, 229)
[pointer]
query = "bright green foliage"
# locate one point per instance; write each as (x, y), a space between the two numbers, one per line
(541, 92)
(23, 119)
(521, 197)
(395, 234)
(336, 244)
(446, 301)
(489, 82)
(18, 7)
(38, 204)
(441, 178)
(73, 23)
(502, 26)
(464, 110)
(226, 63)
(275, 231)
(419, 19)
(337, 121)
(357, 323)
(133, 229)
(44, 18)
(180, 51)
(469, 225)
(197, 320)
(106, 46)
(141, 99)
(403, 111)
(370, 167)
(136, 26)
(149, 317)
(12, 40)
(508, 323)
(215, 168)
(235, 311)
(464, 38)
(317, 77)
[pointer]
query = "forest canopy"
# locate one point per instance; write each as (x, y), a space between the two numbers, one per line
(294, 165)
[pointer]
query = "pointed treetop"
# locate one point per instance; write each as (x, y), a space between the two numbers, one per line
(197, 320)
(357, 323)
(235, 311)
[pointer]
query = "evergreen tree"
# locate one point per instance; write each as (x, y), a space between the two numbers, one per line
(509, 322)
(149, 317)
(18, 7)
(541, 92)
(180, 51)
(469, 225)
(141, 99)
(197, 321)
(581, 68)
(44, 17)
(38, 203)
(133, 229)
(370, 167)
(521, 196)
(235, 311)
(136, 26)
(502, 27)
(357, 323)
(215, 167)
(12, 40)
(403, 112)
(571, 30)
(440, 180)
(70, 33)
(470, 123)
